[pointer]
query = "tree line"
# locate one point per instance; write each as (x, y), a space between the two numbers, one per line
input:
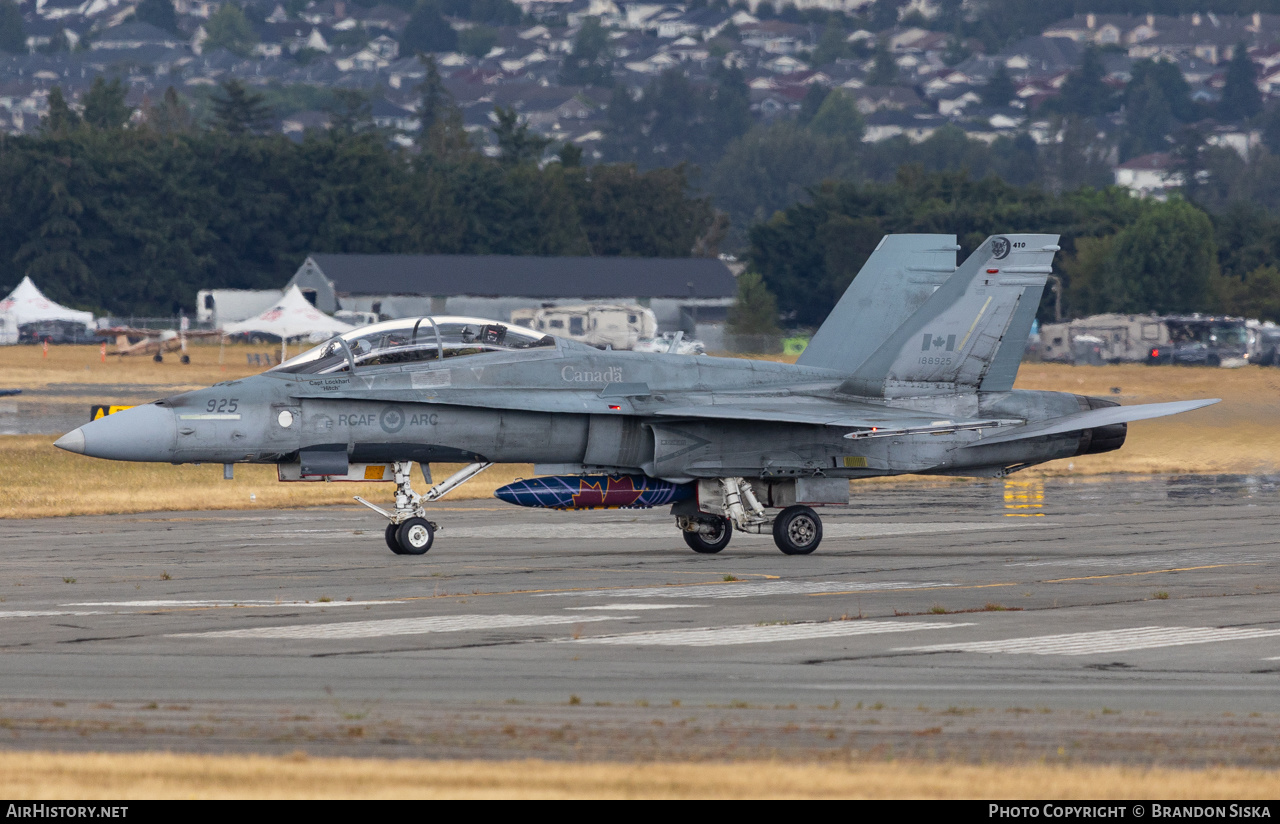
(136, 220)
(1119, 253)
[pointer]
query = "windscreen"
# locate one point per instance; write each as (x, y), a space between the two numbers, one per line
(412, 340)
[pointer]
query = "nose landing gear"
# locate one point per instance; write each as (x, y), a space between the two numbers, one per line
(410, 533)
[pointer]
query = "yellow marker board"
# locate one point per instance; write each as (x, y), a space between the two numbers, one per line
(101, 410)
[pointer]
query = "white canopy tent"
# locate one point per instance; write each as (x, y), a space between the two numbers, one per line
(26, 304)
(292, 317)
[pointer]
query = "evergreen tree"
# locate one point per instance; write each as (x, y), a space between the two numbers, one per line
(440, 133)
(999, 89)
(238, 111)
(351, 112)
(884, 71)
(755, 310)
(13, 36)
(427, 31)
(515, 144)
(812, 102)
(171, 116)
(159, 13)
(590, 63)
(229, 29)
(838, 117)
(831, 43)
(61, 118)
(1148, 120)
(104, 106)
(1173, 86)
(1084, 93)
(1240, 96)
(477, 41)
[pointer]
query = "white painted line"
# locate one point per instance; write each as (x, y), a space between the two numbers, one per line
(753, 634)
(1106, 641)
(554, 531)
(219, 604)
(1163, 560)
(400, 626)
(746, 590)
(45, 613)
(638, 607)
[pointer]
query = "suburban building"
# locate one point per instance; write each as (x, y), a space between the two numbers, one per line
(688, 294)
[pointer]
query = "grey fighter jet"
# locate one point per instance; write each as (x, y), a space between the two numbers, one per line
(912, 373)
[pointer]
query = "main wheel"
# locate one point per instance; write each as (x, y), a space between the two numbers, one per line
(158, 358)
(797, 530)
(392, 543)
(713, 543)
(415, 536)
(186, 359)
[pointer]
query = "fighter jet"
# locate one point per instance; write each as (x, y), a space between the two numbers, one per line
(912, 372)
(154, 342)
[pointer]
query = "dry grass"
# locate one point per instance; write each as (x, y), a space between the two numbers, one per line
(26, 367)
(49, 776)
(1239, 435)
(41, 481)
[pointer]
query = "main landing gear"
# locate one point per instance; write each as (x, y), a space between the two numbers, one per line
(410, 533)
(797, 530)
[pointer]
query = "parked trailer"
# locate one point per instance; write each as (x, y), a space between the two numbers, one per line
(1119, 339)
(602, 324)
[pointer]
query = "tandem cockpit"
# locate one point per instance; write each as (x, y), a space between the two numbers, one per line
(412, 341)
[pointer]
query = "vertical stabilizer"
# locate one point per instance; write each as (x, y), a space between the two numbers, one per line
(971, 325)
(896, 280)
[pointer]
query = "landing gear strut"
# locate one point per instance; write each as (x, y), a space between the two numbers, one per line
(410, 533)
(796, 531)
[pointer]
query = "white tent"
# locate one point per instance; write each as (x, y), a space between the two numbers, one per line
(25, 304)
(292, 317)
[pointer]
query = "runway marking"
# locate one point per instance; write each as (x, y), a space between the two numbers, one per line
(159, 604)
(1145, 572)
(753, 634)
(1092, 643)
(399, 626)
(616, 531)
(45, 613)
(629, 607)
(1140, 560)
(745, 590)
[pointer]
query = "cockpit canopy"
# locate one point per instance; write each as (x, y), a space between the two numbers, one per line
(413, 340)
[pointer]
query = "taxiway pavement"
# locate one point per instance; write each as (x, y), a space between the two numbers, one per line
(1148, 602)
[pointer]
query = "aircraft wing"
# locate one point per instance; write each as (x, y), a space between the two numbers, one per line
(128, 331)
(1089, 420)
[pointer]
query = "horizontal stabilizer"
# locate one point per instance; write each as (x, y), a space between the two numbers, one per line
(1092, 419)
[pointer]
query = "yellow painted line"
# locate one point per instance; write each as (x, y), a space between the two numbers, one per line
(922, 589)
(1024, 514)
(1149, 572)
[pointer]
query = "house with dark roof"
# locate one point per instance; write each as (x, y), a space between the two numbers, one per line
(682, 292)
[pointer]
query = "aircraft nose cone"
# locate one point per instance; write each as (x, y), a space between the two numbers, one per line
(73, 441)
(143, 433)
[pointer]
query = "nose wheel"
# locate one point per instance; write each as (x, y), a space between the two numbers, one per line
(409, 532)
(415, 536)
